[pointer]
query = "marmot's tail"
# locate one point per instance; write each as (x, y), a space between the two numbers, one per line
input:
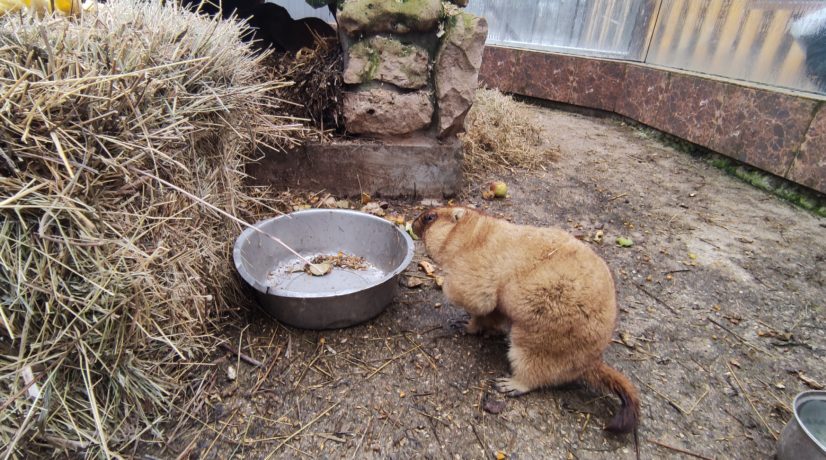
(604, 378)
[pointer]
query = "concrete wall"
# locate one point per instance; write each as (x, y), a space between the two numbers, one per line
(783, 133)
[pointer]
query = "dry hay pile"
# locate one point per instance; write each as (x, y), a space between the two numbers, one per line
(317, 83)
(108, 279)
(501, 133)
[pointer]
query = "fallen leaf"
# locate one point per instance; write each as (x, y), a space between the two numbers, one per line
(430, 202)
(402, 394)
(373, 208)
(598, 236)
(232, 374)
(625, 242)
(487, 195)
(319, 269)
(343, 204)
(427, 267)
(396, 219)
(733, 319)
(500, 455)
(411, 282)
(810, 382)
(627, 339)
(440, 281)
(692, 256)
(365, 198)
(780, 386)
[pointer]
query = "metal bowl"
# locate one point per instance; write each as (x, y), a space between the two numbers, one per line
(345, 296)
(805, 434)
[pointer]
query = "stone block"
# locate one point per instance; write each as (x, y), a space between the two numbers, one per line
(456, 71)
(383, 111)
(387, 60)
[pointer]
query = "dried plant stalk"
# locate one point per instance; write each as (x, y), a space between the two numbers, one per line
(501, 133)
(109, 280)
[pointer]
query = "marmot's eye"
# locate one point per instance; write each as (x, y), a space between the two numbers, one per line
(428, 218)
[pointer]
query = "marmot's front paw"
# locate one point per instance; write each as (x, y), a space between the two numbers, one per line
(459, 324)
(510, 387)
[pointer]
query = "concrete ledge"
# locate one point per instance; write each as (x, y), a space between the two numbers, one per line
(411, 167)
(780, 132)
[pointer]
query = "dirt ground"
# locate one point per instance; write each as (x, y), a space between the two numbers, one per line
(721, 297)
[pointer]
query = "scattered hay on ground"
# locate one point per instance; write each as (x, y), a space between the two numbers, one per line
(502, 133)
(109, 280)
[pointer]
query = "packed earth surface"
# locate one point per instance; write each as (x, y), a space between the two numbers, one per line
(720, 293)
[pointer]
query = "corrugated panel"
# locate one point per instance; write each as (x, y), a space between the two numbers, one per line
(609, 28)
(740, 39)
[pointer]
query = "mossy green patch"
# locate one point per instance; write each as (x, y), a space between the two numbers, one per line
(389, 15)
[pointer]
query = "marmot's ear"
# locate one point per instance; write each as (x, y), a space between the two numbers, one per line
(458, 213)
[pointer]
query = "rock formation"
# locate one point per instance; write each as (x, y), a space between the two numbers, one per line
(409, 65)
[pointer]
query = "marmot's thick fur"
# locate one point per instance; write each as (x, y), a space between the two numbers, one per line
(553, 293)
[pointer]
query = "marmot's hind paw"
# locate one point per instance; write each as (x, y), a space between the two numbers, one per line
(510, 387)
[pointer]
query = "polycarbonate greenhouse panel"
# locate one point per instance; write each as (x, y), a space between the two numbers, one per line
(762, 41)
(606, 28)
(741, 39)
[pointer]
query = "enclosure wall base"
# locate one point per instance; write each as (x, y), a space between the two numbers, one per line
(416, 167)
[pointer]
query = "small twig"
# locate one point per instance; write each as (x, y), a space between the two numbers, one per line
(224, 213)
(424, 352)
(244, 357)
(319, 353)
(391, 360)
(741, 339)
(482, 444)
(696, 403)
(298, 431)
(274, 361)
(743, 391)
(682, 451)
(682, 270)
(584, 426)
(221, 433)
(363, 435)
(645, 291)
(666, 398)
(616, 197)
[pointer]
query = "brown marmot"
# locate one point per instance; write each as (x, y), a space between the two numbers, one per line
(552, 292)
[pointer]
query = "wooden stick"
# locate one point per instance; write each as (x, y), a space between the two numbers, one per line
(245, 358)
(656, 298)
(682, 451)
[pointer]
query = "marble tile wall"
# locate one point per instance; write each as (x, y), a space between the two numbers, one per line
(781, 133)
